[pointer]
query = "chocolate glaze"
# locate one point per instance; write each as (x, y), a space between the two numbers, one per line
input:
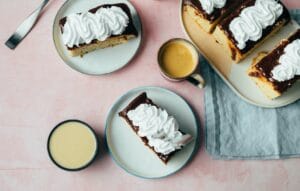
(224, 25)
(217, 12)
(143, 99)
(266, 65)
(130, 29)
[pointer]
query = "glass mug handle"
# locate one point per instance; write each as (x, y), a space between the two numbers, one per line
(197, 80)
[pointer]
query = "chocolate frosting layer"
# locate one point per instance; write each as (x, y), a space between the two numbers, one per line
(224, 25)
(267, 64)
(217, 12)
(143, 99)
(130, 29)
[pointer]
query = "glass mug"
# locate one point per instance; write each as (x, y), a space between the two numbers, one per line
(178, 60)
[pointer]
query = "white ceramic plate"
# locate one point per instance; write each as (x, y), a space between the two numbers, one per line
(130, 153)
(101, 61)
(237, 78)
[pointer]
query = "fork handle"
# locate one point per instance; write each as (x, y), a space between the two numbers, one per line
(25, 27)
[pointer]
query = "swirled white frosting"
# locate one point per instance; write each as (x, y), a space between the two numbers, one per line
(209, 5)
(87, 26)
(158, 127)
(252, 20)
(289, 63)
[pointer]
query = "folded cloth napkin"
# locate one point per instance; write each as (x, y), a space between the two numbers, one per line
(235, 129)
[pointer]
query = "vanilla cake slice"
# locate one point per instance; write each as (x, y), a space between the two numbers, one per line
(249, 26)
(103, 26)
(276, 72)
(158, 130)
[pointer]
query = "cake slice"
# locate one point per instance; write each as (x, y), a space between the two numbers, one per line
(277, 71)
(103, 26)
(208, 13)
(156, 128)
(249, 26)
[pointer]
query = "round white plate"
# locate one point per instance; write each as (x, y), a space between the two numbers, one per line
(130, 153)
(101, 61)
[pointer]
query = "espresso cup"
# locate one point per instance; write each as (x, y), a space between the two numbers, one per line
(178, 60)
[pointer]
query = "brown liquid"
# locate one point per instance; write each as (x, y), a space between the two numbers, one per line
(178, 59)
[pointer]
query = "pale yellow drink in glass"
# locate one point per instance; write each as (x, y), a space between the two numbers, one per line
(72, 145)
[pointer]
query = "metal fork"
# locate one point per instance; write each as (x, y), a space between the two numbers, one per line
(25, 27)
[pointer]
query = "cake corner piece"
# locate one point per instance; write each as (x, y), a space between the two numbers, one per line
(208, 14)
(258, 78)
(141, 98)
(205, 24)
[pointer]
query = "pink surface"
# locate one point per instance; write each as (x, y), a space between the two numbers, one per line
(38, 90)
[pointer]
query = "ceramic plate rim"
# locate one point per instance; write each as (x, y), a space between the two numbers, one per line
(96, 74)
(143, 88)
(235, 90)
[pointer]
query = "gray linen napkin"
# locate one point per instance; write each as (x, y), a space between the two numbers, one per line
(235, 129)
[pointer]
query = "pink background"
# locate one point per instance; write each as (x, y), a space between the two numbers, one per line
(38, 90)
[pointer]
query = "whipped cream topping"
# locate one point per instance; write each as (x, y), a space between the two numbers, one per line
(161, 129)
(87, 26)
(252, 20)
(289, 63)
(209, 5)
